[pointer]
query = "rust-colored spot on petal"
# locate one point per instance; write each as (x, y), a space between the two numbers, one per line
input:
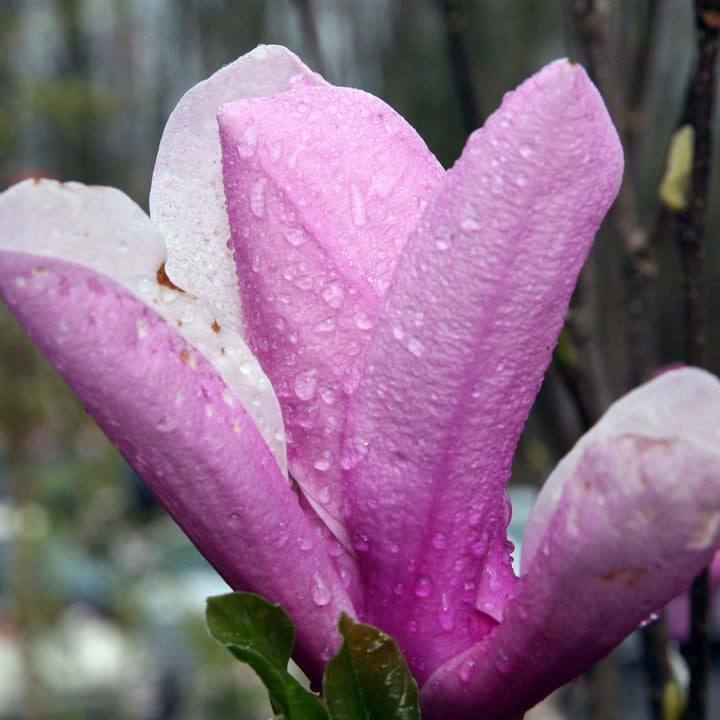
(185, 356)
(40, 271)
(163, 279)
(628, 577)
(215, 326)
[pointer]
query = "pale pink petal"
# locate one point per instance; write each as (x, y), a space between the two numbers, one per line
(187, 202)
(323, 187)
(102, 228)
(459, 351)
(158, 398)
(636, 520)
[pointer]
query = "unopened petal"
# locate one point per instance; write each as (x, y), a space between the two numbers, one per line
(458, 354)
(637, 518)
(323, 188)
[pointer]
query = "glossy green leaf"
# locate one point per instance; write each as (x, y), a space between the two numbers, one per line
(262, 635)
(369, 679)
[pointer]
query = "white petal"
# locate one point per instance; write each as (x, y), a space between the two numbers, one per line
(187, 201)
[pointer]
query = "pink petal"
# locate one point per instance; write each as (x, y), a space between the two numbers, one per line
(461, 344)
(166, 408)
(323, 187)
(637, 519)
(187, 202)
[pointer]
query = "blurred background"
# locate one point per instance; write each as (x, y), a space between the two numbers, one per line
(101, 596)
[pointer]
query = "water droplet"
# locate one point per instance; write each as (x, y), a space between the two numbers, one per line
(335, 549)
(319, 591)
(333, 294)
(468, 592)
(289, 272)
(363, 321)
(357, 206)
(465, 671)
(470, 224)
(459, 565)
(282, 536)
(446, 615)
(324, 326)
(502, 662)
(398, 332)
(361, 542)
(442, 244)
(651, 618)
(474, 519)
(304, 283)
(521, 179)
(439, 541)
(328, 396)
(413, 626)
(525, 150)
(399, 589)
(257, 198)
(353, 452)
(323, 461)
(394, 549)
(248, 144)
(305, 543)
(415, 347)
(423, 587)
(296, 236)
(305, 384)
(276, 151)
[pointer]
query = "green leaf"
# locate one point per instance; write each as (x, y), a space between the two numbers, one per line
(369, 679)
(262, 635)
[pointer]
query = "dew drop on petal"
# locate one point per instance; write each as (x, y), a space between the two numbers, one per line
(357, 206)
(439, 541)
(502, 662)
(257, 198)
(465, 671)
(361, 543)
(333, 294)
(319, 591)
(446, 615)
(423, 587)
(525, 150)
(649, 620)
(363, 321)
(295, 236)
(248, 144)
(415, 347)
(399, 589)
(323, 462)
(305, 384)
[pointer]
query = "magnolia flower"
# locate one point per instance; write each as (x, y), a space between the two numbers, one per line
(337, 435)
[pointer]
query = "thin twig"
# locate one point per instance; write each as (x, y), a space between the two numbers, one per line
(639, 267)
(310, 24)
(691, 241)
(467, 95)
(592, 22)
